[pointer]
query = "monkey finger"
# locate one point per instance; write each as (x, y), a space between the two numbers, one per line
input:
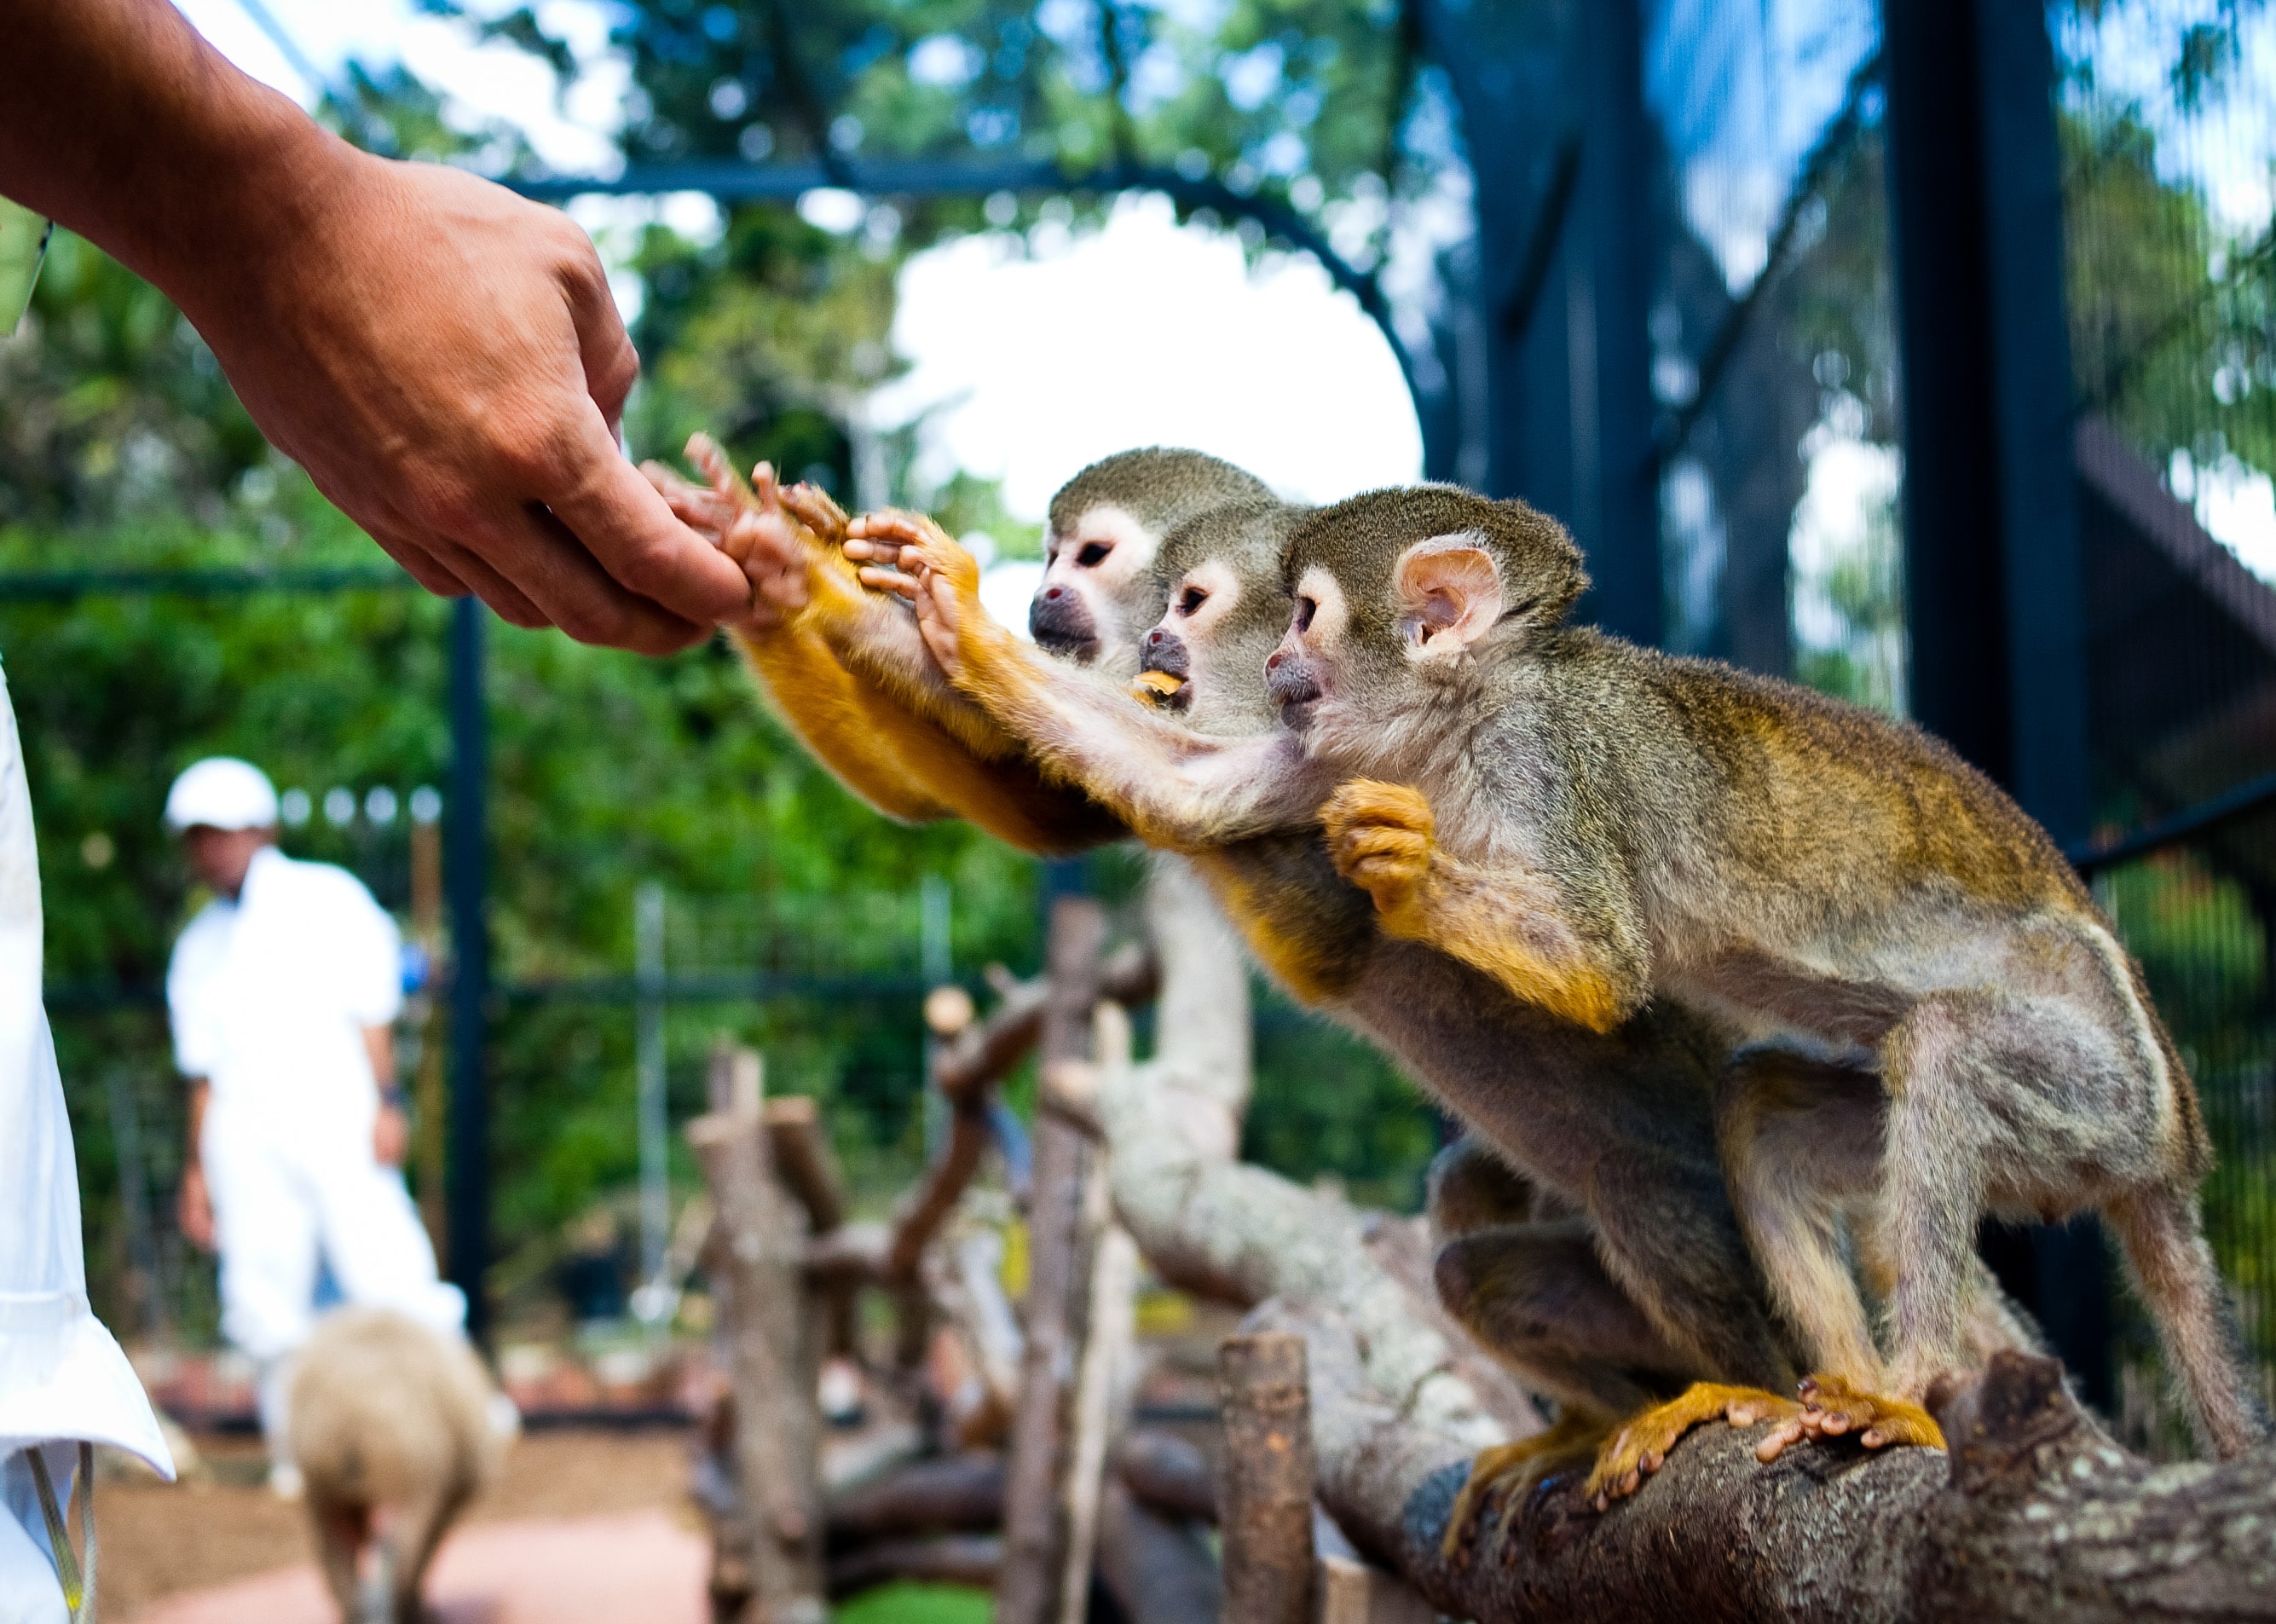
(1780, 1439)
(890, 580)
(812, 507)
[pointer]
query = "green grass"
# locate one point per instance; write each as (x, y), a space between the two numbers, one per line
(915, 1604)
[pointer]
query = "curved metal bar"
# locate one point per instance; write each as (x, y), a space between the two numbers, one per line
(732, 182)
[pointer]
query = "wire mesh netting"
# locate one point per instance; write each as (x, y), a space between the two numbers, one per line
(2167, 113)
(2196, 914)
(1774, 341)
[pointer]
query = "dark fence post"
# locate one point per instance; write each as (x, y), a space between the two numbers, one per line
(1994, 592)
(465, 862)
(1615, 472)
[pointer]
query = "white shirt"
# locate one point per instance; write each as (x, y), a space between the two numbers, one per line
(269, 996)
(61, 1374)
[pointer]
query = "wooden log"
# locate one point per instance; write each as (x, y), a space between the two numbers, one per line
(1156, 1571)
(808, 1168)
(773, 1552)
(1269, 1552)
(1170, 1475)
(1109, 1330)
(947, 1559)
(804, 1161)
(954, 1494)
(1028, 1589)
(2034, 1515)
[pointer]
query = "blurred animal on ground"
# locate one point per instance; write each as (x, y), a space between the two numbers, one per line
(392, 1427)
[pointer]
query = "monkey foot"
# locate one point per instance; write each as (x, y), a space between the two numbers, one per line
(1517, 1466)
(1640, 1448)
(1832, 1407)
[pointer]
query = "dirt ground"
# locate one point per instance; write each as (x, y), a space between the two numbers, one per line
(159, 1540)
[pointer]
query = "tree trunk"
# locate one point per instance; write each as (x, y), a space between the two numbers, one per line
(2035, 1514)
(1268, 1478)
(768, 1326)
(1028, 1590)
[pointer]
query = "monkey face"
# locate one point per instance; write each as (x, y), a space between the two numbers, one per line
(1299, 672)
(1098, 571)
(1402, 591)
(1224, 608)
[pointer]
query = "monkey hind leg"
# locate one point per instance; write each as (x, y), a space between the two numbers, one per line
(2162, 1235)
(1470, 1188)
(1640, 1447)
(1508, 1472)
(1537, 1297)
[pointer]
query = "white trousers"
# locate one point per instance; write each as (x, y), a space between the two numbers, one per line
(278, 1207)
(30, 1593)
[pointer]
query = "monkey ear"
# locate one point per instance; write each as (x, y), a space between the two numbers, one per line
(1451, 592)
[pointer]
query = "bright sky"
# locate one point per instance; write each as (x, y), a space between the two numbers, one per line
(1025, 366)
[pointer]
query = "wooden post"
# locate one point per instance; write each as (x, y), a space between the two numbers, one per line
(767, 1570)
(1268, 1558)
(1035, 1522)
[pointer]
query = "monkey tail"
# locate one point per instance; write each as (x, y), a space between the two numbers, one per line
(2161, 1232)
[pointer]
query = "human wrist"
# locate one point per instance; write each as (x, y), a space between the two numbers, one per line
(264, 186)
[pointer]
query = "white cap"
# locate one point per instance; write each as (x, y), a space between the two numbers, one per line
(222, 792)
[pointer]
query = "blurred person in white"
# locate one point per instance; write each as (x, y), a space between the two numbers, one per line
(283, 993)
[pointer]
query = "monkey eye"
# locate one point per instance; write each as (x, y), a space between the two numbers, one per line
(1305, 610)
(1093, 554)
(1190, 601)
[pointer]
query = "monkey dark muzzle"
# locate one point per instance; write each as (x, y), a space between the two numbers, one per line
(1165, 669)
(1293, 688)
(1060, 625)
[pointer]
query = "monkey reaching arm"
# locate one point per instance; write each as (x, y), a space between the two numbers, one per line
(1172, 788)
(847, 674)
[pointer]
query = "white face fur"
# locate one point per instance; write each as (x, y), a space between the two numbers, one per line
(1103, 560)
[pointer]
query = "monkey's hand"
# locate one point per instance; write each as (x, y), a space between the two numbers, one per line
(1832, 1407)
(1511, 922)
(1381, 837)
(908, 554)
(749, 525)
(1512, 1469)
(1640, 1448)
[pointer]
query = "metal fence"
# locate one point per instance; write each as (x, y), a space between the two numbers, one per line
(1774, 362)
(2197, 908)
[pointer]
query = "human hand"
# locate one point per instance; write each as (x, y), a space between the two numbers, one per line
(195, 1209)
(751, 524)
(391, 1135)
(445, 360)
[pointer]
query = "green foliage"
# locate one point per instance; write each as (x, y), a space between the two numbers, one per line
(1328, 1106)
(902, 1603)
(111, 404)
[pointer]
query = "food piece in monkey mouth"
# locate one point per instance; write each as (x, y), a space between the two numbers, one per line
(1161, 688)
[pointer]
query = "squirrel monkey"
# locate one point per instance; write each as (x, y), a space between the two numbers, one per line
(843, 667)
(1598, 828)
(1644, 1282)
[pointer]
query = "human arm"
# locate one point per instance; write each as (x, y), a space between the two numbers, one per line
(443, 358)
(1174, 787)
(194, 1207)
(390, 1129)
